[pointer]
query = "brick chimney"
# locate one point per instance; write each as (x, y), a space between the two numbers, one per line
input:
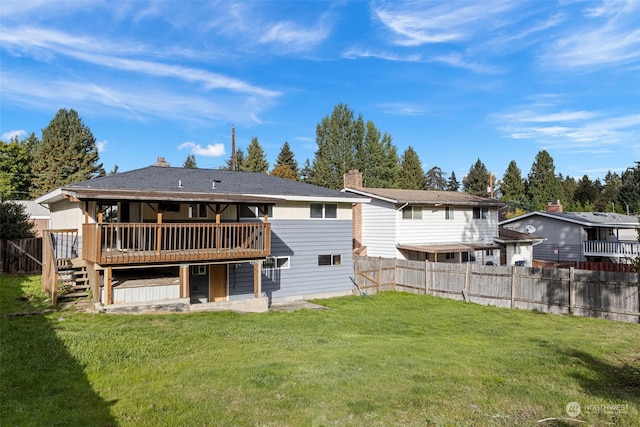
(554, 206)
(161, 162)
(352, 179)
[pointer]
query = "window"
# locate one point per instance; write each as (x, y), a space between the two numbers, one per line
(279, 263)
(324, 210)
(412, 212)
(450, 255)
(468, 257)
(489, 252)
(517, 249)
(198, 270)
(448, 212)
(480, 213)
(197, 210)
(329, 260)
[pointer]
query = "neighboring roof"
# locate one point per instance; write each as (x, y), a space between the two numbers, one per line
(185, 184)
(448, 247)
(34, 210)
(505, 235)
(587, 219)
(425, 197)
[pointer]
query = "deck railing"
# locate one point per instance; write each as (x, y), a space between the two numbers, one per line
(618, 249)
(127, 243)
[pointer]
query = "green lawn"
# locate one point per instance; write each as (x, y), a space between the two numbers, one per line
(391, 359)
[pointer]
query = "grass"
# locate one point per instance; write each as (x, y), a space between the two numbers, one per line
(391, 359)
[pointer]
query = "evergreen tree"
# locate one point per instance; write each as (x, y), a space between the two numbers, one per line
(287, 158)
(512, 185)
(306, 173)
(284, 171)
(435, 179)
(477, 180)
(410, 174)
(453, 184)
(630, 189)
(544, 186)
(190, 162)
(586, 192)
(256, 160)
(339, 137)
(15, 222)
(568, 185)
(610, 195)
(68, 153)
(240, 158)
(114, 170)
(377, 158)
(15, 168)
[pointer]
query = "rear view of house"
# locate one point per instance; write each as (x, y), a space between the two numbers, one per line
(200, 238)
(580, 236)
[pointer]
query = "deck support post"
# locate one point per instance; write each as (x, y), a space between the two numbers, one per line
(184, 281)
(257, 279)
(108, 285)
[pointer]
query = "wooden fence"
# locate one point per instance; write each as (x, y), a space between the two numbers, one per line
(21, 256)
(608, 295)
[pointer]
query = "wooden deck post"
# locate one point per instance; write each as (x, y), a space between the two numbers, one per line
(257, 279)
(108, 286)
(184, 280)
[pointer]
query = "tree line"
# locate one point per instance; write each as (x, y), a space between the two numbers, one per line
(67, 153)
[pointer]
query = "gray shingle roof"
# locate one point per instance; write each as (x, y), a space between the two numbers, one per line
(185, 181)
(588, 219)
(425, 196)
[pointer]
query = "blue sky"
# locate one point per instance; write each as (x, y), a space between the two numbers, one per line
(456, 80)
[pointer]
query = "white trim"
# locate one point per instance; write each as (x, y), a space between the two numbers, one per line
(329, 199)
(51, 197)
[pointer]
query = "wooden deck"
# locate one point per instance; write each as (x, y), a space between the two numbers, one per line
(618, 249)
(137, 243)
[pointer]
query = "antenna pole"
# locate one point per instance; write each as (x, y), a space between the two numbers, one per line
(233, 148)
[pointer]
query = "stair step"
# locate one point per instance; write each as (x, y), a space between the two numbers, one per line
(73, 295)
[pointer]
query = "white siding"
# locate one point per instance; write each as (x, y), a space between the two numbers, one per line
(519, 252)
(434, 228)
(379, 221)
(67, 215)
(143, 294)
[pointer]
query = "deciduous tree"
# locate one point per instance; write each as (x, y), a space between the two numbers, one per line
(15, 168)
(15, 222)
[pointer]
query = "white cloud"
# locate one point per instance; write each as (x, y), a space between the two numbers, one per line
(7, 136)
(295, 37)
(211, 150)
(102, 146)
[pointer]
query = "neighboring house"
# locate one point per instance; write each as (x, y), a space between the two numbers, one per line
(579, 236)
(517, 248)
(441, 226)
(38, 214)
(203, 238)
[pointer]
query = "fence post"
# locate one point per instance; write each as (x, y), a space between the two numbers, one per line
(427, 277)
(513, 286)
(379, 275)
(395, 274)
(572, 296)
(467, 279)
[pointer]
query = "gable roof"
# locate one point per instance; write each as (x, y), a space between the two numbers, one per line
(34, 210)
(425, 197)
(586, 219)
(185, 184)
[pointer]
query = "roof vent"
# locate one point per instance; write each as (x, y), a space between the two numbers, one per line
(179, 183)
(213, 184)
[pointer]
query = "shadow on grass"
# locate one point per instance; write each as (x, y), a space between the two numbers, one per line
(41, 383)
(606, 380)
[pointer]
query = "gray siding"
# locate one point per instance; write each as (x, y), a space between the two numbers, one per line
(566, 236)
(303, 241)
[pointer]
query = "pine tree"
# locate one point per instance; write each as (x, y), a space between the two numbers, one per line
(586, 192)
(630, 189)
(410, 175)
(68, 153)
(477, 180)
(15, 168)
(435, 179)
(512, 185)
(339, 137)
(240, 159)
(453, 184)
(610, 195)
(306, 173)
(190, 162)
(256, 160)
(287, 158)
(544, 186)
(377, 159)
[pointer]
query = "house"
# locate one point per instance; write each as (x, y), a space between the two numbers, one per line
(439, 226)
(579, 236)
(192, 239)
(39, 215)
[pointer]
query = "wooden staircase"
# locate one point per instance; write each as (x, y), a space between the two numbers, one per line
(73, 281)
